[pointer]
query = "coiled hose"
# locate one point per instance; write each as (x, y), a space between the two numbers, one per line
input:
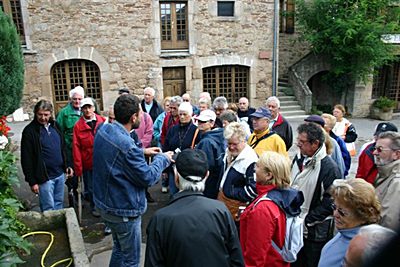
(48, 248)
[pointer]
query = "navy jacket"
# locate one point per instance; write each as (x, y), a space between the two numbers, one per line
(32, 161)
(213, 144)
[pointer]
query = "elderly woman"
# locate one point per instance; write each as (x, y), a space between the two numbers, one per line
(344, 129)
(263, 222)
(355, 205)
(237, 185)
(181, 136)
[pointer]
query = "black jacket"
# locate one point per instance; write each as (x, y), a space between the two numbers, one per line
(32, 162)
(155, 110)
(319, 226)
(193, 231)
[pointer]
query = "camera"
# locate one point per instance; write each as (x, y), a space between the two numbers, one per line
(176, 153)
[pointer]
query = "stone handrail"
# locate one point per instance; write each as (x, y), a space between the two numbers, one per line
(301, 90)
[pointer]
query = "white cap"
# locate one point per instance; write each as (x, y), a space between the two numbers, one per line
(77, 90)
(87, 101)
(207, 115)
(186, 106)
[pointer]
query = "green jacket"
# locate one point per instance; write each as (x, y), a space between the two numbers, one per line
(66, 119)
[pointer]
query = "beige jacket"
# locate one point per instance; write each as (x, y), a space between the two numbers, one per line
(387, 188)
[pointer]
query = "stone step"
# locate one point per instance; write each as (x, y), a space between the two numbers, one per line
(293, 113)
(290, 107)
(285, 98)
(289, 103)
(295, 117)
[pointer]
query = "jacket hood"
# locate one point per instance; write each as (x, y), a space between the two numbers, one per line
(216, 135)
(290, 200)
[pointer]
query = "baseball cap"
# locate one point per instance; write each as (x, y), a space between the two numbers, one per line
(192, 164)
(261, 113)
(123, 90)
(385, 127)
(87, 101)
(207, 115)
(315, 118)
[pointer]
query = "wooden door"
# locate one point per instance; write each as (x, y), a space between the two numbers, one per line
(174, 81)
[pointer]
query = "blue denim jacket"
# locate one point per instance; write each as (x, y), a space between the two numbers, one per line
(120, 172)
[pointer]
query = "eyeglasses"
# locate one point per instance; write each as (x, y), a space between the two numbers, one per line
(340, 211)
(302, 142)
(379, 149)
(202, 121)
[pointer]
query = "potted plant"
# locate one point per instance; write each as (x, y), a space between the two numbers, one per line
(382, 108)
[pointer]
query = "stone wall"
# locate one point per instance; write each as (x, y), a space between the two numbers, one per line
(123, 38)
(291, 50)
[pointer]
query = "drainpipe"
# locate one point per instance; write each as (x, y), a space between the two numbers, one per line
(275, 49)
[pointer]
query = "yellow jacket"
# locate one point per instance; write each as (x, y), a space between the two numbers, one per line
(260, 142)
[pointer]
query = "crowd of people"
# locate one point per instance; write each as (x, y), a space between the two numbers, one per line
(218, 161)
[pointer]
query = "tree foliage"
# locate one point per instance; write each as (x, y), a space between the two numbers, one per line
(349, 33)
(11, 66)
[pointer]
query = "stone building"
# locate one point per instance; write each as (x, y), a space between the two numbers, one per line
(224, 47)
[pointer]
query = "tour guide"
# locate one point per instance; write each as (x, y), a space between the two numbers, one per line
(121, 175)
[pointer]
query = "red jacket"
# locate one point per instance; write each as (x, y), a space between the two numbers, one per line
(367, 169)
(82, 145)
(258, 226)
(167, 124)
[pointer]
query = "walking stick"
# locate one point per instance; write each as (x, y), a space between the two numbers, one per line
(79, 191)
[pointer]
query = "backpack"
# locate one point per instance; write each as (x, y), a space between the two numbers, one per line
(293, 235)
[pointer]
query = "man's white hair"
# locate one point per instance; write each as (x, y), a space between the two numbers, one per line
(150, 90)
(186, 185)
(273, 99)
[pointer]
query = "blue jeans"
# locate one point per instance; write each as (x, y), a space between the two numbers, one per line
(171, 182)
(88, 183)
(127, 238)
(51, 194)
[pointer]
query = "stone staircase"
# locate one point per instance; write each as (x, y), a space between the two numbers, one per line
(290, 107)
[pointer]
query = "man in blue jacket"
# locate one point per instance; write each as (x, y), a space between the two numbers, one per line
(120, 177)
(213, 143)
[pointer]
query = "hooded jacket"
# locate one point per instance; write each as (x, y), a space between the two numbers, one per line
(264, 222)
(213, 144)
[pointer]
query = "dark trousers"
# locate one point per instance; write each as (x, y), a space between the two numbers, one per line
(309, 255)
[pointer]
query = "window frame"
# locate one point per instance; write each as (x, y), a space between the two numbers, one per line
(174, 43)
(15, 12)
(232, 7)
(218, 83)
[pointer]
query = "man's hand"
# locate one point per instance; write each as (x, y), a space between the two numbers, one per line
(151, 151)
(35, 188)
(169, 155)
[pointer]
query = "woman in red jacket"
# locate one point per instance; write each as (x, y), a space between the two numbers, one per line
(263, 221)
(82, 146)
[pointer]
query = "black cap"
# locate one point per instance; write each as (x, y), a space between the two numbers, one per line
(192, 163)
(316, 119)
(123, 91)
(385, 127)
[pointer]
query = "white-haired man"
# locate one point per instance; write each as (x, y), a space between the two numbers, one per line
(278, 123)
(220, 104)
(150, 105)
(66, 119)
(192, 230)
(387, 183)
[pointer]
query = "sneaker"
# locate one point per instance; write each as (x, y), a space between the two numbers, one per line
(164, 189)
(95, 213)
(107, 230)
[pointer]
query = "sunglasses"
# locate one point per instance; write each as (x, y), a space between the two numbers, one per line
(340, 211)
(379, 149)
